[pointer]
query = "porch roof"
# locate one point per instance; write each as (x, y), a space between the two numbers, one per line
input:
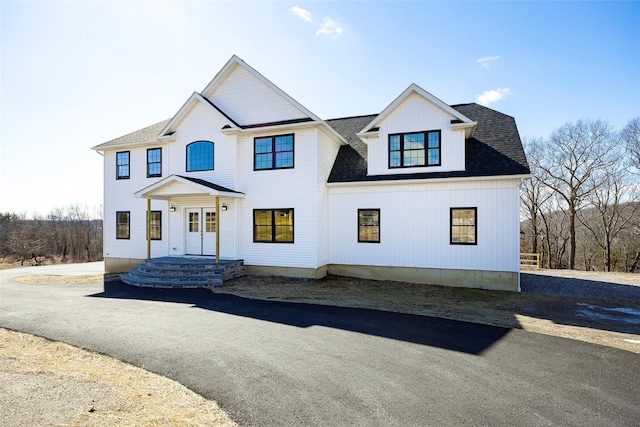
(176, 186)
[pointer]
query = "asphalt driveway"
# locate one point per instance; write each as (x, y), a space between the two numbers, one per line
(274, 363)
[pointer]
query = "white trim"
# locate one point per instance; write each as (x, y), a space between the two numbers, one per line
(237, 61)
(186, 108)
(133, 144)
(429, 180)
(469, 128)
(280, 128)
(404, 95)
(146, 193)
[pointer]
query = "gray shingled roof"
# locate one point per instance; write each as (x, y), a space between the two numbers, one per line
(148, 134)
(494, 150)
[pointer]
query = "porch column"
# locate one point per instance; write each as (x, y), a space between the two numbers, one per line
(148, 228)
(217, 230)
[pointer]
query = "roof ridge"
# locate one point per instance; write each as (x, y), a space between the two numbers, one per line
(353, 117)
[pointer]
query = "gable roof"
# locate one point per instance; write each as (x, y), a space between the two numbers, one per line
(414, 88)
(494, 150)
(162, 189)
(186, 109)
(141, 136)
(235, 61)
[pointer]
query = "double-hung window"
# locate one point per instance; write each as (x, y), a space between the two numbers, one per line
(414, 149)
(155, 225)
(154, 162)
(123, 224)
(273, 152)
(273, 225)
(464, 226)
(122, 165)
(200, 156)
(369, 225)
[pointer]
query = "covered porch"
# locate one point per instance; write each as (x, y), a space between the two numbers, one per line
(199, 247)
(201, 218)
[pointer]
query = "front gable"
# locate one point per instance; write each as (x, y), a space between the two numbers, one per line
(416, 113)
(250, 99)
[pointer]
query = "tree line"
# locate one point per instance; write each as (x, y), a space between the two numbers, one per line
(581, 207)
(70, 234)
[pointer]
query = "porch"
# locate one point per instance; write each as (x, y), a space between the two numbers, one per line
(183, 272)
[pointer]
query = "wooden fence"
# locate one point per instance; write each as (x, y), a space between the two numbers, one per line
(529, 260)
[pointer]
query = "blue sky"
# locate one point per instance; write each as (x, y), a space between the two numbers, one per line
(76, 74)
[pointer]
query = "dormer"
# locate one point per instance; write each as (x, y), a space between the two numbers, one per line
(416, 133)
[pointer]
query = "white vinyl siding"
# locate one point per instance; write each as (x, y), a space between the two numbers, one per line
(415, 225)
(203, 124)
(327, 152)
(248, 100)
(416, 114)
(275, 189)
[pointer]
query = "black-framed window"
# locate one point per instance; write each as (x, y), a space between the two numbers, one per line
(155, 225)
(123, 224)
(414, 149)
(273, 152)
(122, 164)
(369, 225)
(200, 156)
(273, 225)
(154, 162)
(464, 226)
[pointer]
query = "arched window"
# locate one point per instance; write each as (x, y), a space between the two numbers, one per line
(200, 156)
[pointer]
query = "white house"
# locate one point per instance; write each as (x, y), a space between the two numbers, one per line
(422, 192)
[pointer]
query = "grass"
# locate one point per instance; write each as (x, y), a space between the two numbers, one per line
(51, 383)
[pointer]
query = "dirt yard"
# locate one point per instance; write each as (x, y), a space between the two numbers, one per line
(51, 383)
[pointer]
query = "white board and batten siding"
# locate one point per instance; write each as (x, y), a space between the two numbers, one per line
(248, 100)
(415, 225)
(416, 114)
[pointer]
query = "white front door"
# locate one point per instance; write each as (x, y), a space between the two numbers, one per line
(201, 231)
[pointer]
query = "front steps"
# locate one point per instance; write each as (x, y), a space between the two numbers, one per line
(182, 273)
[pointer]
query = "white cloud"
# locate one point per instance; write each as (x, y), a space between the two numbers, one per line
(490, 96)
(486, 60)
(330, 28)
(301, 13)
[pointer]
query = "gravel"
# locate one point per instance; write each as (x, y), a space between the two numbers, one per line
(581, 284)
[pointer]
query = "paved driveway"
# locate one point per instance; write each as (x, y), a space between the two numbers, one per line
(274, 364)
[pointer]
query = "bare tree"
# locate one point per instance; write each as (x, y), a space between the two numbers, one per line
(613, 206)
(575, 154)
(630, 134)
(533, 192)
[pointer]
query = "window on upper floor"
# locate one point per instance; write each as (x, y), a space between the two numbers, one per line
(154, 162)
(415, 149)
(155, 225)
(123, 224)
(464, 230)
(200, 156)
(273, 225)
(122, 165)
(273, 152)
(369, 225)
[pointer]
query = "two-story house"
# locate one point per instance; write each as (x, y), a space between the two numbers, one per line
(422, 192)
